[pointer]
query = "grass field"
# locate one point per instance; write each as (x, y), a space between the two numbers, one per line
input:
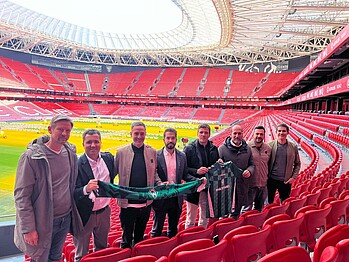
(114, 135)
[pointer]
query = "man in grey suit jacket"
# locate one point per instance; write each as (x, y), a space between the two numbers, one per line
(171, 168)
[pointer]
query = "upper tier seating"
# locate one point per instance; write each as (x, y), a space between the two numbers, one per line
(144, 82)
(244, 83)
(215, 82)
(167, 81)
(191, 82)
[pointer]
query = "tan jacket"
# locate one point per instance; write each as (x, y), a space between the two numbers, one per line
(123, 165)
(293, 164)
(261, 159)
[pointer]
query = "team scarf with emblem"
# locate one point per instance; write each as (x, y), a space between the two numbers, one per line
(148, 193)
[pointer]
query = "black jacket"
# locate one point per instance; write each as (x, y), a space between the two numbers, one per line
(243, 159)
(84, 204)
(194, 162)
(181, 173)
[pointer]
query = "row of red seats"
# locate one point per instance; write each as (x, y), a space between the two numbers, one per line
(326, 125)
(331, 119)
(319, 130)
(342, 139)
(303, 131)
(332, 170)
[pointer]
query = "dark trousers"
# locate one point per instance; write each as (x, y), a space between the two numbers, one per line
(237, 207)
(133, 224)
(273, 185)
(256, 198)
(171, 208)
(259, 196)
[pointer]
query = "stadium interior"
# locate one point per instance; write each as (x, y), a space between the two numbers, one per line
(276, 62)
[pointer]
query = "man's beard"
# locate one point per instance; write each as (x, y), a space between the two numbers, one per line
(170, 145)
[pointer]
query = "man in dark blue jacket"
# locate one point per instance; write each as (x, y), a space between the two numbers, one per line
(94, 212)
(171, 168)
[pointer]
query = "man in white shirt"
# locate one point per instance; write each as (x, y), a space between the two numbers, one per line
(93, 166)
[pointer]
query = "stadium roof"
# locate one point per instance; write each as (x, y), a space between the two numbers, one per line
(211, 33)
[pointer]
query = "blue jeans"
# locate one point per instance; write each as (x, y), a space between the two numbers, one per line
(60, 230)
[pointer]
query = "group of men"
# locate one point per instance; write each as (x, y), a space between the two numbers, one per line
(55, 191)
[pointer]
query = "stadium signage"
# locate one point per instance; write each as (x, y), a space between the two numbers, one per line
(332, 47)
(337, 87)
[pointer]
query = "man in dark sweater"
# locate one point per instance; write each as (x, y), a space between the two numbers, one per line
(135, 164)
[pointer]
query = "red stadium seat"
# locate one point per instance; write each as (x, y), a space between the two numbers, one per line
(161, 247)
(312, 198)
(338, 214)
(223, 228)
(214, 253)
(185, 236)
(109, 254)
(330, 238)
(142, 258)
(248, 247)
(343, 250)
(330, 254)
(191, 245)
(314, 224)
(288, 254)
(275, 218)
(276, 210)
(256, 219)
(294, 204)
(285, 233)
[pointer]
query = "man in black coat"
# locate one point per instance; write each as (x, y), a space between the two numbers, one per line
(171, 168)
(201, 154)
(94, 212)
(236, 150)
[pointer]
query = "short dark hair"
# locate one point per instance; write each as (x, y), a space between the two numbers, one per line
(170, 130)
(91, 132)
(205, 126)
(260, 127)
(137, 123)
(283, 125)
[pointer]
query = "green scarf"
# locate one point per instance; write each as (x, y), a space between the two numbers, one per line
(146, 193)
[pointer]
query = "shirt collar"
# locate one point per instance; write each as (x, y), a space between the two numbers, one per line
(166, 153)
(93, 161)
(234, 145)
